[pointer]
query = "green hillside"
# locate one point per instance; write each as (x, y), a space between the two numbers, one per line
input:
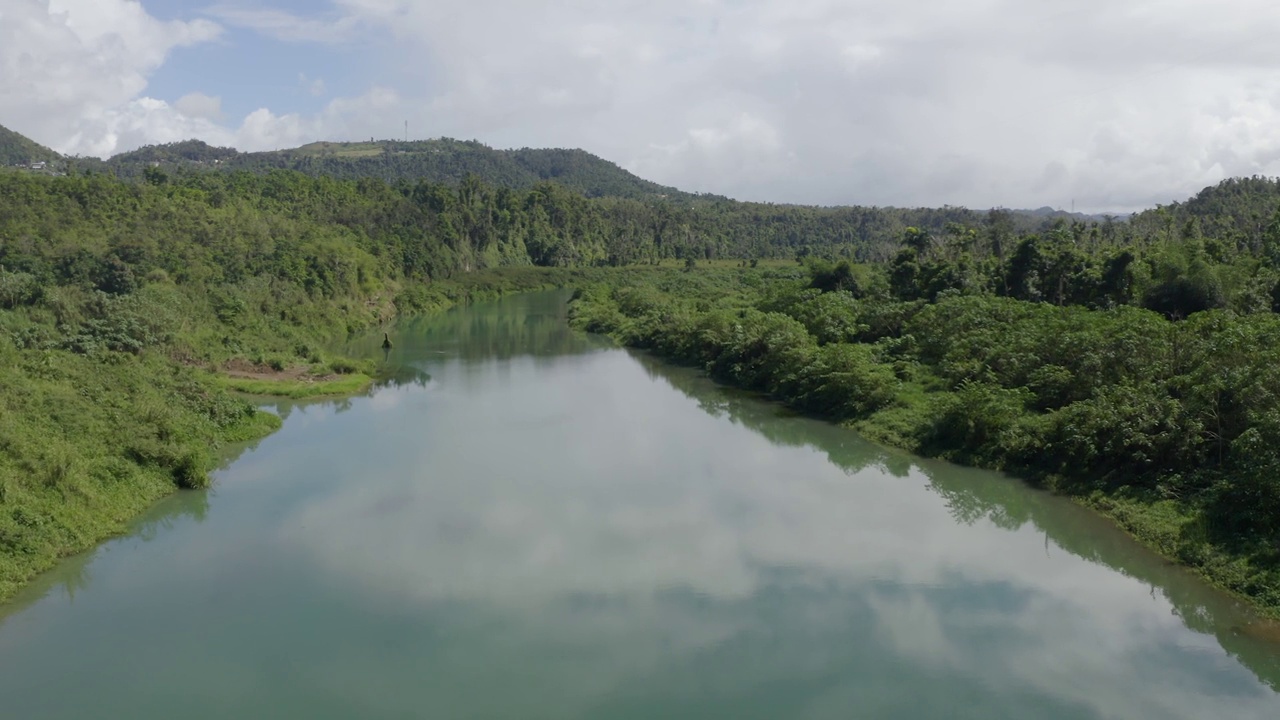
(1236, 211)
(17, 149)
(592, 176)
(442, 160)
(194, 152)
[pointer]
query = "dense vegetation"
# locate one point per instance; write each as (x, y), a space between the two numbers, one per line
(623, 231)
(700, 226)
(712, 226)
(1142, 377)
(1129, 363)
(441, 161)
(117, 300)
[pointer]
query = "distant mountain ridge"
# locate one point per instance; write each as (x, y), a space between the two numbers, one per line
(193, 152)
(1247, 207)
(441, 160)
(1054, 213)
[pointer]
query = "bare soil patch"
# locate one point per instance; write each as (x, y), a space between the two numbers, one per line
(245, 370)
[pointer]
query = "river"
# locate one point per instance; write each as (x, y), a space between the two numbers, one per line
(527, 522)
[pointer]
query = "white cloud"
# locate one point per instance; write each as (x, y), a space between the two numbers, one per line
(199, 105)
(73, 75)
(341, 118)
(982, 102)
(72, 71)
(140, 122)
(286, 26)
(927, 102)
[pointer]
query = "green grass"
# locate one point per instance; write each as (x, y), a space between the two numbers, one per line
(899, 424)
(1176, 532)
(348, 150)
(299, 389)
(723, 264)
(259, 426)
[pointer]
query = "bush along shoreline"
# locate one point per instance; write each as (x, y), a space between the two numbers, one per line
(125, 308)
(1170, 428)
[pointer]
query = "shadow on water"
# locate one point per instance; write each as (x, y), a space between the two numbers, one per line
(528, 324)
(523, 325)
(974, 496)
(72, 575)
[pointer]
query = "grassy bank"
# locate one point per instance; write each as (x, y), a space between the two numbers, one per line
(88, 443)
(1171, 429)
(298, 389)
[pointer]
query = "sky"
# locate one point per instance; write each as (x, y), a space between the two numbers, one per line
(1100, 105)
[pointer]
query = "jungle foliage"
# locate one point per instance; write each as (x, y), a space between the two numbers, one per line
(1142, 380)
(120, 302)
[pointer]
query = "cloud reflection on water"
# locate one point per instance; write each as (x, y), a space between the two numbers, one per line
(527, 486)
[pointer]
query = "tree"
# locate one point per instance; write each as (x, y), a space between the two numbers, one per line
(155, 176)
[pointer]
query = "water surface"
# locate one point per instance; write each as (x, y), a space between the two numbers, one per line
(529, 523)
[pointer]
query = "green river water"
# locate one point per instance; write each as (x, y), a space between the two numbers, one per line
(530, 523)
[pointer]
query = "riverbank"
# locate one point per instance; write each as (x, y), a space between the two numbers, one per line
(746, 546)
(89, 444)
(298, 382)
(91, 436)
(1110, 408)
(89, 440)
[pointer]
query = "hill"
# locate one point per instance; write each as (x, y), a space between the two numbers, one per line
(442, 160)
(593, 176)
(16, 149)
(1240, 211)
(1049, 213)
(180, 153)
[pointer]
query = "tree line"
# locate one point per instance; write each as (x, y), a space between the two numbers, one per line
(1142, 379)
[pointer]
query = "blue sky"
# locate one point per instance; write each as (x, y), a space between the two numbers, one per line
(249, 70)
(1110, 104)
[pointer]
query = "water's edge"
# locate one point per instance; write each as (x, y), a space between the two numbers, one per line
(1110, 543)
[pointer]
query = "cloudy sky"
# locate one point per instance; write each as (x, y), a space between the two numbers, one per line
(1110, 104)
